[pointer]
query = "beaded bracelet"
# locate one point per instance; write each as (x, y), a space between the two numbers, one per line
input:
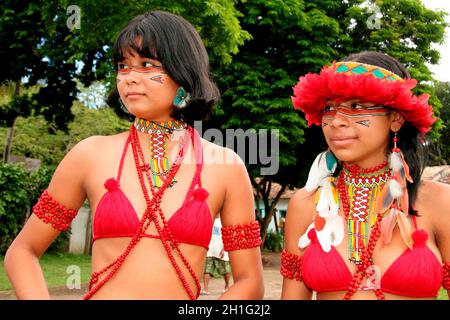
(291, 266)
(243, 236)
(50, 211)
(446, 279)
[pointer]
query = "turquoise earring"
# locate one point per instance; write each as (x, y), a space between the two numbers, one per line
(124, 109)
(122, 106)
(182, 98)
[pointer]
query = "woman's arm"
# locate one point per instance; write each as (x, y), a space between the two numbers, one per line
(22, 258)
(238, 209)
(439, 203)
(298, 217)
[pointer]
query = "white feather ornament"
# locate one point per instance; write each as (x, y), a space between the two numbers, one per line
(328, 204)
(319, 171)
(395, 189)
(395, 161)
(336, 224)
(304, 241)
(324, 237)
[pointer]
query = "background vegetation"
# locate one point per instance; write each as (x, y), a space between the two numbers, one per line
(258, 49)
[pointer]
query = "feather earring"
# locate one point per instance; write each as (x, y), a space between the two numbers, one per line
(323, 167)
(394, 200)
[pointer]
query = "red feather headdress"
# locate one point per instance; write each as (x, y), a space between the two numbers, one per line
(353, 80)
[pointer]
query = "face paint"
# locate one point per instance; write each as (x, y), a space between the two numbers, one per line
(324, 124)
(158, 78)
(147, 67)
(365, 123)
(354, 111)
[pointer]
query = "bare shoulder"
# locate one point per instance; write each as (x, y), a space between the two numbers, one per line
(225, 162)
(432, 194)
(301, 208)
(216, 154)
(433, 204)
(81, 160)
(99, 143)
(300, 213)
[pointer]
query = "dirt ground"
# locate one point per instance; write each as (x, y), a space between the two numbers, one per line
(272, 282)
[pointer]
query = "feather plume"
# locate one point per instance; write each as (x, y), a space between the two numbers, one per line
(405, 229)
(328, 204)
(395, 189)
(384, 201)
(304, 240)
(324, 238)
(319, 222)
(318, 172)
(387, 226)
(396, 163)
(336, 224)
(404, 202)
(406, 168)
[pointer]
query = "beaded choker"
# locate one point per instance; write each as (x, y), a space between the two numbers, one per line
(159, 133)
(358, 190)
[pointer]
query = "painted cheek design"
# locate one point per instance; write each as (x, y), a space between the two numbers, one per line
(158, 78)
(365, 123)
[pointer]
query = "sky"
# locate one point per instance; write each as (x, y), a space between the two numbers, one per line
(442, 70)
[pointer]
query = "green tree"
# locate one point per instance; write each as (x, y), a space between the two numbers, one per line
(291, 38)
(54, 44)
(33, 140)
(443, 144)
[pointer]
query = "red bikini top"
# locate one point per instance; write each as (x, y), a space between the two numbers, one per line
(191, 223)
(415, 273)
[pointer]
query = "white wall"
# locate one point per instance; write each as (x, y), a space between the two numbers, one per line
(80, 232)
(281, 205)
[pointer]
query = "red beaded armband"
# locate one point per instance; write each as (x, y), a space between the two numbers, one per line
(291, 266)
(243, 236)
(446, 280)
(50, 211)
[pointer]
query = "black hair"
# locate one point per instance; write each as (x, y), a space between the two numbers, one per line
(410, 141)
(174, 42)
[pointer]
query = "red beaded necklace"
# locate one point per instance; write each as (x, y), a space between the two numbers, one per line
(364, 267)
(166, 234)
(149, 215)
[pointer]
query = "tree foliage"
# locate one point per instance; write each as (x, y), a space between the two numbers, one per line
(32, 139)
(291, 38)
(443, 144)
(13, 203)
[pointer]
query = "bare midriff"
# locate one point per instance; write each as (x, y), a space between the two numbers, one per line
(147, 273)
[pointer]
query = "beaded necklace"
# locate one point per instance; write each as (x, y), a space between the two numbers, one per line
(153, 204)
(159, 134)
(362, 187)
(358, 190)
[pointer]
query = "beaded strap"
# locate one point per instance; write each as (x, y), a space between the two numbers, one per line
(291, 266)
(50, 211)
(446, 279)
(243, 236)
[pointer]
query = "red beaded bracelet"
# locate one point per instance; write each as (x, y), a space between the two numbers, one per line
(291, 266)
(446, 279)
(50, 211)
(243, 236)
